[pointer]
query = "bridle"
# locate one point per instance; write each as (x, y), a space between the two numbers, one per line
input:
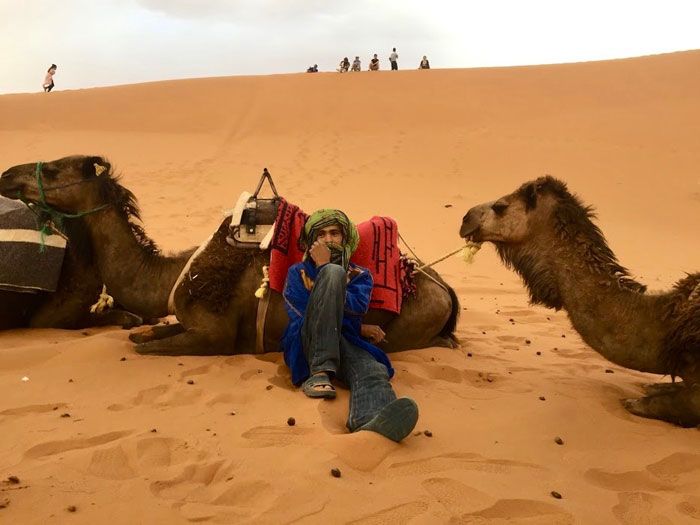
(55, 214)
(49, 218)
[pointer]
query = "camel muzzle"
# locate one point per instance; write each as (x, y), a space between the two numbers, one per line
(471, 223)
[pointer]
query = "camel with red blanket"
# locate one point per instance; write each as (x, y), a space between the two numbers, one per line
(214, 300)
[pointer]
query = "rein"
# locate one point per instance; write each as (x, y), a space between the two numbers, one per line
(50, 214)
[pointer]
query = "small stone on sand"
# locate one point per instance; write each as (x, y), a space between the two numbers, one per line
(268, 387)
(541, 398)
(335, 472)
(71, 508)
(190, 382)
(123, 359)
(608, 371)
(428, 433)
(555, 494)
(13, 479)
(65, 414)
(291, 421)
(558, 440)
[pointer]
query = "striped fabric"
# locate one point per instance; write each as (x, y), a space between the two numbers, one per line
(24, 266)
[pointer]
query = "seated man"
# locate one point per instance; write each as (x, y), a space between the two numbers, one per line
(326, 297)
(344, 65)
(374, 63)
(356, 64)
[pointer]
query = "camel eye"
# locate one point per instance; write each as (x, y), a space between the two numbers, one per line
(499, 207)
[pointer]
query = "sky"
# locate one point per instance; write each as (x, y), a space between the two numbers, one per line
(108, 42)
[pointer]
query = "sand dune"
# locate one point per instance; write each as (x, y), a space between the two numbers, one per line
(131, 441)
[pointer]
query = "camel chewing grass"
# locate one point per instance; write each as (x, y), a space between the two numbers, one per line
(547, 236)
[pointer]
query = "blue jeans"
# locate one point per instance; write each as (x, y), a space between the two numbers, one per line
(327, 350)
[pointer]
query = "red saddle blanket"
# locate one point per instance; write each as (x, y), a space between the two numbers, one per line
(378, 252)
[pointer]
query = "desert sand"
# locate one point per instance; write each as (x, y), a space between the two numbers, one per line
(140, 444)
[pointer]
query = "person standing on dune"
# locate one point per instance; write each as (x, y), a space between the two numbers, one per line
(393, 58)
(48, 79)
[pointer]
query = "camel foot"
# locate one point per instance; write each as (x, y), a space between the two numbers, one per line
(122, 318)
(678, 406)
(189, 342)
(153, 333)
(445, 342)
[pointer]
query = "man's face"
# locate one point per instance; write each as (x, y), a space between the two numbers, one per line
(331, 234)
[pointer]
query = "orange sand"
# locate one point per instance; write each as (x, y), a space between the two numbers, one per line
(142, 445)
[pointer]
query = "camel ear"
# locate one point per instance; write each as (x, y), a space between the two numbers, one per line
(95, 166)
(530, 196)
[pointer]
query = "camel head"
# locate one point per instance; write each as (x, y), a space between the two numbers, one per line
(70, 184)
(514, 218)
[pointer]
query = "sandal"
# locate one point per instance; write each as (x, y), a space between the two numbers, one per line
(319, 386)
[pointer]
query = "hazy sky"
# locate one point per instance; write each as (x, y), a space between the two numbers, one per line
(104, 42)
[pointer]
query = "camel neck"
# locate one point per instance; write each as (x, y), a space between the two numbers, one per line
(136, 276)
(614, 317)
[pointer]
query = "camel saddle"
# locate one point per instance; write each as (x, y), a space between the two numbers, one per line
(253, 218)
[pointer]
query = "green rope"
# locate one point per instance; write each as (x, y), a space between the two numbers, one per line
(46, 215)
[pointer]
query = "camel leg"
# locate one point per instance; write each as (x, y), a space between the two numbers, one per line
(117, 317)
(678, 406)
(153, 333)
(653, 389)
(189, 342)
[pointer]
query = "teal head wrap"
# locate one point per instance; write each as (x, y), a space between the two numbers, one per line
(324, 218)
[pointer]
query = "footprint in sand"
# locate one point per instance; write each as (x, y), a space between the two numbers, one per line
(398, 514)
(679, 470)
(690, 507)
(271, 436)
(193, 477)
(32, 409)
(455, 496)
(161, 452)
(147, 396)
(198, 371)
(519, 511)
(51, 448)
(111, 463)
(465, 461)
(639, 508)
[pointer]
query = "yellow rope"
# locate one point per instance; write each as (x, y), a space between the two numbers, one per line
(468, 252)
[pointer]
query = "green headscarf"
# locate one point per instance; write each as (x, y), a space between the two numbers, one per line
(323, 218)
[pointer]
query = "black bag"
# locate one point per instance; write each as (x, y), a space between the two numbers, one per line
(257, 219)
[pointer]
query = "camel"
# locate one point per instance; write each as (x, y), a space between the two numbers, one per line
(548, 237)
(216, 307)
(68, 307)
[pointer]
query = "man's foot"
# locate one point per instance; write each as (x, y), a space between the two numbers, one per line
(319, 385)
(396, 420)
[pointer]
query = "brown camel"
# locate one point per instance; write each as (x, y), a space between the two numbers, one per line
(215, 305)
(547, 236)
(79, 287)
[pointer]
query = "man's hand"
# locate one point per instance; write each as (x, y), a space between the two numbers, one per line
(373, 332)
(320, 253)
